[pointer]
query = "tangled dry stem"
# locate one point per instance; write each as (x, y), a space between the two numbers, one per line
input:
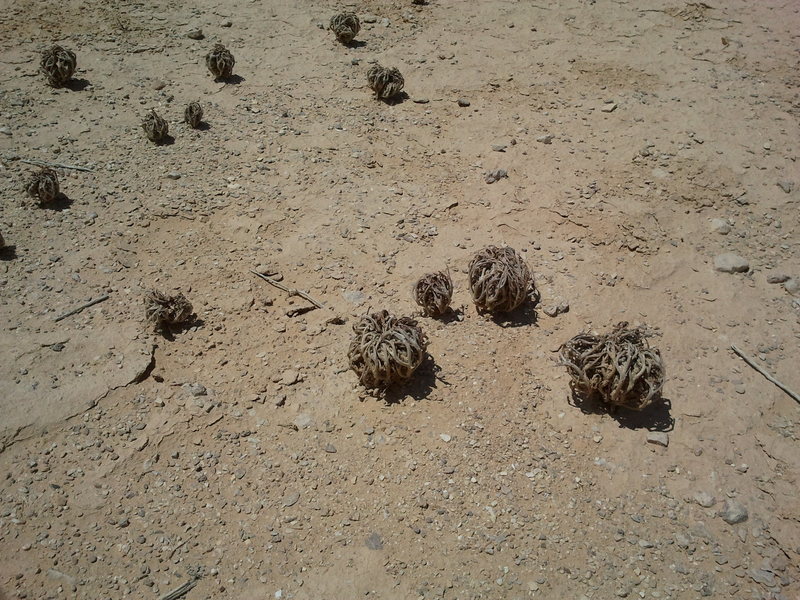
(385, 82)
(164, 311)
(155, 127)
(386, 349)
(193, 115)
(220, 62)
(43, 186)
(58, 65)
(345, 27)
(499, 279)
(619, 367)
(434, 292)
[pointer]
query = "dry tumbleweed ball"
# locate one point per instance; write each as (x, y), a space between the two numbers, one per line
(220, 62)
(193, 115)
(386, 83)
(43, 186)
(155, 127)
(165, 311)
(58, 64)
(433, 292)
(386, 349)
(619, 367)
(345, 26)
(499, 279)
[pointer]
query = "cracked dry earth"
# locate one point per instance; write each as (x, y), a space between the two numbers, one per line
(644, 142)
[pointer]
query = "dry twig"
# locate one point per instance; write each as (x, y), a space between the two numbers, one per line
(765, 373)
(288, 290)
(180, 591)
(75, 311)
(44, 163)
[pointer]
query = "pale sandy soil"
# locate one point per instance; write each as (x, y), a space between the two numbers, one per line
(243, 449)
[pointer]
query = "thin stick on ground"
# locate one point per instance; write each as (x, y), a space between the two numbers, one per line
(765, 373)
(75, 311)
(44, 163)
(180, 591)
(288, 290)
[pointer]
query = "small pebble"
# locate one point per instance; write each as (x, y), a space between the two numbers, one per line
(195, 34)
(731, 263)
(720, 226)
(659, 438)
(778, 278)
(495, 175)
(705, 499)
(733, 512)
(463, 102)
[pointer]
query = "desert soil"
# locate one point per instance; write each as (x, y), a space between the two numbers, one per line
(642, 141)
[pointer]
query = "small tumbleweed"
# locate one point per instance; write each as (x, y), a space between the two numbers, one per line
(618, 367)
(220, 62)
(193, 115)
(43, 186)
(385, 82)
(58, 65)
(164, 311)
(345, 27)
(434, 292)
(386, 349)
(155, 127)
(499, 279)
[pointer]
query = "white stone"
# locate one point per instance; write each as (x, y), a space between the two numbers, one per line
(731, 263)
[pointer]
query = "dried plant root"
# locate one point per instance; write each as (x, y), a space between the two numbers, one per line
(619, 367)
(386, 349)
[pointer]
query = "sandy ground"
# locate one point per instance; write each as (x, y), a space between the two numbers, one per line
(242, 455)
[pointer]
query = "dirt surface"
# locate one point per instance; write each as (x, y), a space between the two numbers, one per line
(643, 141)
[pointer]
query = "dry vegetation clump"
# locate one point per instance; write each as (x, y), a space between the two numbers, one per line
(165, 312)
(385, 82)
(386, 349)
(43, 186)
(345, 27)
(193, 115)
(155, 127)
(220, 62)
(499, 279)
(58, 65)
(434, 292)
(619, 367)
